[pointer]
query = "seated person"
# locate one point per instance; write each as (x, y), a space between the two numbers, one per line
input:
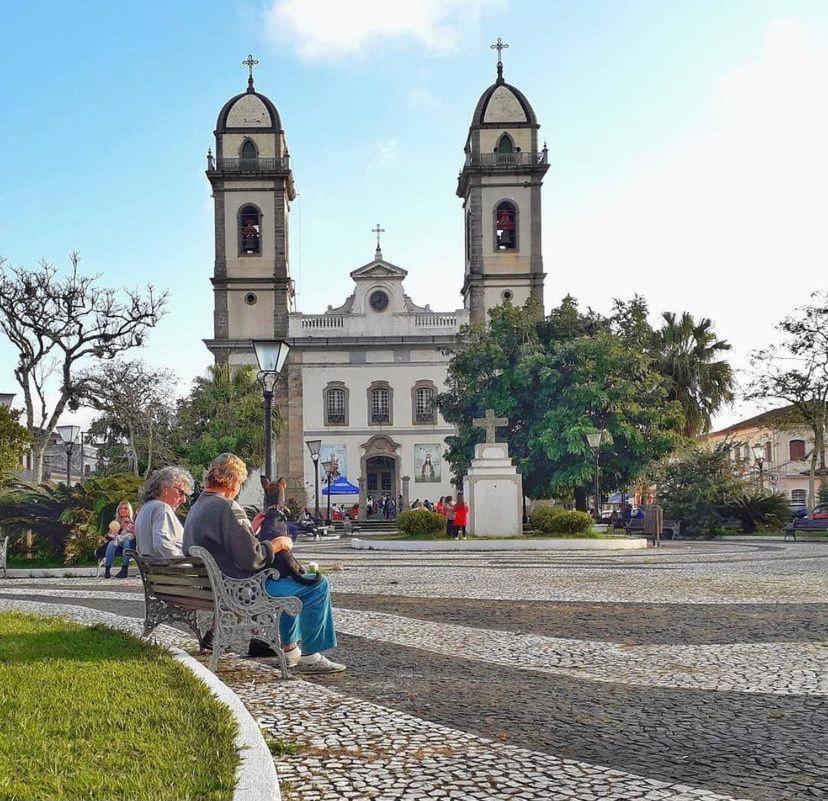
(158, 531)
(120, 537)
(216, 522)
(306, 523)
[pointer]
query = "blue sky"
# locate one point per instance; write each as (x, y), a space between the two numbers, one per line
(686, 137)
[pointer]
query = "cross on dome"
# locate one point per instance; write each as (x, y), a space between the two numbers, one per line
(250, 62)
(500, 46)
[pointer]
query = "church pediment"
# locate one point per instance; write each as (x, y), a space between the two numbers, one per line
(377, 269)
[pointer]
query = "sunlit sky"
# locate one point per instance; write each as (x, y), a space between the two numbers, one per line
(687, 142)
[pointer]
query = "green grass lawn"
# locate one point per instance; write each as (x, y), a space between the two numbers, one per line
(92, 713)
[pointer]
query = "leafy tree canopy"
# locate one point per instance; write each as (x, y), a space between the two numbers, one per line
(223, 412)
(556, 379)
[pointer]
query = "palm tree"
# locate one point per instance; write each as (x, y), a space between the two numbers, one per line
(689, 354)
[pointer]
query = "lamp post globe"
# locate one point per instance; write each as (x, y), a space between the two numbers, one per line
(315, 449)
(69, 436)
(759, 457)
(271, 355)
(326, 466)
(595, 439)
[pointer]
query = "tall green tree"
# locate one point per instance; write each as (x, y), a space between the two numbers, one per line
(14, 439)
(223, 412)
(689, 353)
(557, 379)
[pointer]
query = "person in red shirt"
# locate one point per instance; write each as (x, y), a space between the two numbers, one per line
(461, 517)
(440, 508)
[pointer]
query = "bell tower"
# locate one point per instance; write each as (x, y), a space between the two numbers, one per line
(252, 185)
(500, 185)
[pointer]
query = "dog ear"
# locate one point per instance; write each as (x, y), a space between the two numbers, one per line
(265, 482)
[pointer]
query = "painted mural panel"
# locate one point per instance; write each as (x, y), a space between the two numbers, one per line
(338, 454)
(428, 463)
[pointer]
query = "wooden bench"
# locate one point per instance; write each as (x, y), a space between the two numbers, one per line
(193, 591)
(4, 551)
(636, 526)
(804, 525)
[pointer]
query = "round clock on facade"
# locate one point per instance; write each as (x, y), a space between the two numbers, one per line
(378, 300)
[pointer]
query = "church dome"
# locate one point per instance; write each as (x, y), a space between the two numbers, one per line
(249, 110)
(504, 105)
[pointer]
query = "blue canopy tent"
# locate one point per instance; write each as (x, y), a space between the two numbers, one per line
(341, 486)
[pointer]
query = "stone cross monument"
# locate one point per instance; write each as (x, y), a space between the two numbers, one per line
(494, 488)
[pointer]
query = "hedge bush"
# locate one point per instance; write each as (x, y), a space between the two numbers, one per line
(558, 521)
(421, 523)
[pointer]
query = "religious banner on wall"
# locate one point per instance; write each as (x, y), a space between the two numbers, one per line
(338, 455)
(427, 463)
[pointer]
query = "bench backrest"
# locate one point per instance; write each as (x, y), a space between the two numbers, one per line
(808, 524)
(183, 582)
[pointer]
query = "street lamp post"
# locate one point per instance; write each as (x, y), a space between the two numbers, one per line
(326, 466)
(759, 457)
(69, 436)
(595, 439)
(315, 448)
(271, 355)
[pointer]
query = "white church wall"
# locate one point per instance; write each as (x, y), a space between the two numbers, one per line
(489, 138)
(509, 261)
(251, 320)
(249, 266)
(265, 143)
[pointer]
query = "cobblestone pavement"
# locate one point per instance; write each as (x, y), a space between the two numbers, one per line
(695, 671)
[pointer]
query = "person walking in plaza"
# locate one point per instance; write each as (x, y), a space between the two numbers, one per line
(217, 522)
(158, 531)
(449, 512)
(461, 517)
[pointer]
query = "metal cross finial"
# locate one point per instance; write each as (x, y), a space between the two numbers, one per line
(378, 231)
(250, 62)
(500, 46)
(489, 423)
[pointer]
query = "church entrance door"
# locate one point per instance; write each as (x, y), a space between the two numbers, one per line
(380, 474)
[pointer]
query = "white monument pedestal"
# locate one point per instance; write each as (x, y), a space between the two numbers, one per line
(495, 492)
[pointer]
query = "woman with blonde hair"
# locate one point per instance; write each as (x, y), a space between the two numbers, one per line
(217, 522)
(121, 536)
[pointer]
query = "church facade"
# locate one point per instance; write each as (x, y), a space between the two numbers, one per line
(363, 375)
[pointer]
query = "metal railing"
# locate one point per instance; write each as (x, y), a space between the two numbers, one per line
(323, 321)
(506, 160)
(253, 165)
(380, 417)
(425, 417)
(435, 320)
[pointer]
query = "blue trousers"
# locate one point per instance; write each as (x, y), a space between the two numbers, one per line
(112, 550)
(314, 625)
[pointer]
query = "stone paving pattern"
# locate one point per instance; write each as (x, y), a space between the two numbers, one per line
(694, 672)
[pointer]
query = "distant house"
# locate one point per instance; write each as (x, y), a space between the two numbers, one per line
(54, 462)
(787, 447)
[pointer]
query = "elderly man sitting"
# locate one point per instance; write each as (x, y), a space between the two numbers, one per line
(158, 531)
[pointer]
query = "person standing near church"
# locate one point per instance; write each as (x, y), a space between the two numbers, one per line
(461, 517)
(449, 512)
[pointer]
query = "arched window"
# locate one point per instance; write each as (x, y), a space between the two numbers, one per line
(422, 397)
(379, 404)
(505, 145)
(797, 450)
(505, 225)
(799, 496)
(249, 155)
(768, 453)
(336, 404)
(250, 228)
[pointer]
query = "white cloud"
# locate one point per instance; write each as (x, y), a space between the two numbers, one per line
(732, 223)
(387, 152)
(424, 99)
(328, 30)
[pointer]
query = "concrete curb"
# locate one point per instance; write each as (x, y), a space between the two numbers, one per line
(56, 572)
(256, 779)
(484, 544)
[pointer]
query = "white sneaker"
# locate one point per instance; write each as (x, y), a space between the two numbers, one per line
(317, 663)
(293, 656)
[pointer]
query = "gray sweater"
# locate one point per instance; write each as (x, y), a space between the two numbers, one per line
(221, 526)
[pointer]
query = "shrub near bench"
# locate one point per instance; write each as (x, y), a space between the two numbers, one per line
(559, 522)
(421, 523)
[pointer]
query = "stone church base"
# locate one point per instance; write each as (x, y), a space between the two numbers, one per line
(490, 544)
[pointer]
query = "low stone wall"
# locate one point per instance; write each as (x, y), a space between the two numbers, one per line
(481, 544)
